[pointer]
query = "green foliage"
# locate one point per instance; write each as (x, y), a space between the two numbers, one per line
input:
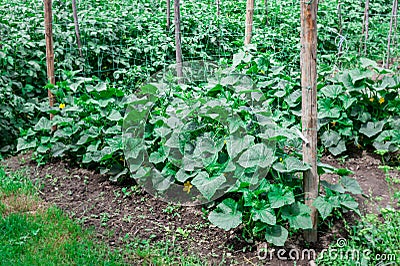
(17, 112)
(360, 107)
(88, 119)
(372, 241)
(124, 42)
(38, 236)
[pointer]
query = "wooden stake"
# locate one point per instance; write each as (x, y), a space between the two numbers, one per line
(394, 13)
(77, 32)
(48, 20)
(177, 14)
(168, 15)
(308, 64)
(218, 10)
(395, 24)
(249, 21)
(366, 25)
(339, 14)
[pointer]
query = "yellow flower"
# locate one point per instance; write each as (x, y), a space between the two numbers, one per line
(381, 100)
(225, 142)
(280, 159)
(371, 99)
(121, 159)
(333, 123)
(187, 186)
(62, 105)
(262, 72)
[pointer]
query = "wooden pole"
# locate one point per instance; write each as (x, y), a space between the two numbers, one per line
(394, 11)
(308, 65)
(339, 14)
(168, 14)
(48, 20)
(366, 25)
(177, 15)
(395, 24)
(218, 10)
(249, 21)
(266, 11)
(77, 32)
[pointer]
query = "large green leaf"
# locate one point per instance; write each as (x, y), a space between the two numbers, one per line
(226, 216)
(332, 91)
(278, 197)
(339, 148)
(372, 128)
(349, 202)
(324, 207)
(257, 155)
(334, 187)
(235, 145)
(357, 75)
(265, 215)
(208, 185)
(114, 116)
(162, 181)
(23, 144)
(290, 165)
(43, 124)
(328, 109)
(276, 235)
(298, 215)
(351, 185)
(332, 140)
(182, 176)
(160, 155)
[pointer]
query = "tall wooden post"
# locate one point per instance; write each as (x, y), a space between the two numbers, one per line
(340, 26)
(393, 18)
(177, 15)
(308, 64)
(168, 15)
(218, 8)
(48, 24)
(249, 21)
(76, 22)
(365, 30)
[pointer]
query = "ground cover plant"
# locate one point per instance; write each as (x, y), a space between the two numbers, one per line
(125, 43)
(34, 233)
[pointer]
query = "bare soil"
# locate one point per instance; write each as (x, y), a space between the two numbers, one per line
(92, 200)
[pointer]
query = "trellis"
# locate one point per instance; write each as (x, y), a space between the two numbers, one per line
(308, 69)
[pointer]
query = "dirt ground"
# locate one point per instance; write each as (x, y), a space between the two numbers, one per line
(92, 200)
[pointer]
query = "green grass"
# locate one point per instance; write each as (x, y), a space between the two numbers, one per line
(374, 241)
(34, 234)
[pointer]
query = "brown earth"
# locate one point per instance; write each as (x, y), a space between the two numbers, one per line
(119, 218)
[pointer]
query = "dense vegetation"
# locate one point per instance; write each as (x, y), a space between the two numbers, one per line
(126, 42)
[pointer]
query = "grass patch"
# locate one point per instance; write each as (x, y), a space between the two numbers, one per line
(50, 238)
(162, 253)
(32, 233)
(374, 241)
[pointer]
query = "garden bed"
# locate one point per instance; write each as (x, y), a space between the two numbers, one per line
(125, 213)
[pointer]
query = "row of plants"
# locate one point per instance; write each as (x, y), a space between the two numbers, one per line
(126, 41)
(89, 116)
(257, 154)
